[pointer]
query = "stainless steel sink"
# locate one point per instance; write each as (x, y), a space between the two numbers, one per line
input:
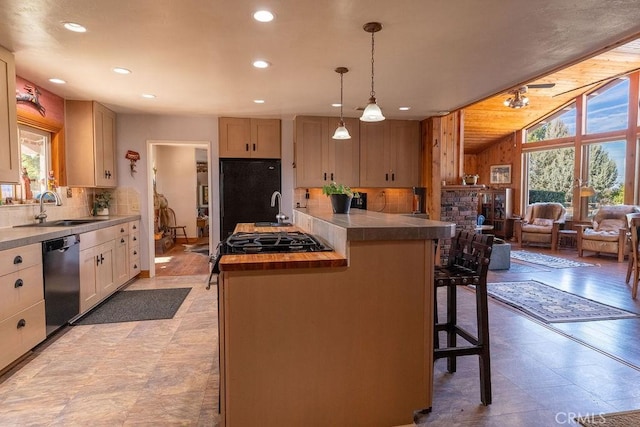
(61, 223)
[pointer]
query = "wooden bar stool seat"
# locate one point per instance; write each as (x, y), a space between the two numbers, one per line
(468, 264)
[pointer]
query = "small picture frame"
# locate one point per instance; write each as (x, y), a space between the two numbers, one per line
(204, 196)
(500, 174)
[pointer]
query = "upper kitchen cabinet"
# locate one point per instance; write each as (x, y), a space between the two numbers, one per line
(245, 138)
(390, 153)
(90, 144)
(9, 158)
(320, 159)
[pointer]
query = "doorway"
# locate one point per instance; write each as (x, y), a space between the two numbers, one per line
(175, 181)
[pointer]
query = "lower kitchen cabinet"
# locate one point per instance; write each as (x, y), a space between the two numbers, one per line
(97, 267)
(22, 315)
(122, 254)
(134, 249)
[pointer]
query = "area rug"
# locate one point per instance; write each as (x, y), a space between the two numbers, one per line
(136, 305)
(548, 260)
(614, 419)
(552, 305)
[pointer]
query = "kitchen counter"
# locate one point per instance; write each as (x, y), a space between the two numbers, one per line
(335, 345)
(12, 237)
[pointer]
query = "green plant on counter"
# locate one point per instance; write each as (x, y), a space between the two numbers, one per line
(334, 188)
(103, 200)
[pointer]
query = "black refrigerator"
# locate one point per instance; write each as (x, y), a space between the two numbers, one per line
(246, 186)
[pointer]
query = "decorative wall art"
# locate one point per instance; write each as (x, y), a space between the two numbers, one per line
(500, 174)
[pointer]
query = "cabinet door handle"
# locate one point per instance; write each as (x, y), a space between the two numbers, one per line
(246, 147)
(393, 177)
(325, 176)
(18, 283)
(21, 323)
(135, 252)
(386, 177)
(122, 230)
(331, 176)
(135, 265)
(101, 259)
(135, 238)
(17, 260)
(97, 260)
(135, 227)
(121, 240)
(254, 147)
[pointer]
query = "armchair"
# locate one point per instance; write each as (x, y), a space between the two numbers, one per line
(541, 224)
(607, 232)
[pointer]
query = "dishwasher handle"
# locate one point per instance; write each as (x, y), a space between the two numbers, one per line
(62, 244)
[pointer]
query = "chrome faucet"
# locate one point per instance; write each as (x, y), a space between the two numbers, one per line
(42, 216)
(276, 196)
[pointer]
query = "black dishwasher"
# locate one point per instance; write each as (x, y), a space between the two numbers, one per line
(61, 267)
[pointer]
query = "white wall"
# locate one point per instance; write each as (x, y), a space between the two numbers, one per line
(135, 130)
(176, 179)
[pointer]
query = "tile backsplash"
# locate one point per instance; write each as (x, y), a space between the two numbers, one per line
(125, 201)
(388, 200)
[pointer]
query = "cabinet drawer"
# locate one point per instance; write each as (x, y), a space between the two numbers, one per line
(121, 230)
(134, 239)
(21, 332)
(97, 237)
(134, 226)
(134, 268)
(134, 252)
(12, 260)
(20, 290)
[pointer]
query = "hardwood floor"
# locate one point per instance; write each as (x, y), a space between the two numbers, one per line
(165, 372)
(181, 260)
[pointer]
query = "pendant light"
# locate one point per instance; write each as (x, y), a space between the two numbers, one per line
(372, 113)
(341, 132)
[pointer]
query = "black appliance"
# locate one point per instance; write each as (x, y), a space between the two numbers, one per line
(246, 186)
(359, 202)
(61, 268)
(268, 242)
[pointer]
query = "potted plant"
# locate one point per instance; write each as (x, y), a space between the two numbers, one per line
(101, 203)
(340, 196)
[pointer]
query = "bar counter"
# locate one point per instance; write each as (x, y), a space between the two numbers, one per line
(339, 345)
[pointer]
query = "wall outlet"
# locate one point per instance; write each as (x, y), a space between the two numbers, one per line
(69, 193)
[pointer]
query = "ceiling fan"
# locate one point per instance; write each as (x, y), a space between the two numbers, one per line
(519, 100)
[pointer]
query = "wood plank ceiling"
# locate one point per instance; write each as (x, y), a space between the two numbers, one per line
(490, 121)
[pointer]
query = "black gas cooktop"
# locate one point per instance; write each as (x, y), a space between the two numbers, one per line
(285, 241)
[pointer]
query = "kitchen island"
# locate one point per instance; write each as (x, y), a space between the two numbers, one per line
(342, 339)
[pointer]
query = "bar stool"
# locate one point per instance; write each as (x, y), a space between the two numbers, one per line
(468, 264)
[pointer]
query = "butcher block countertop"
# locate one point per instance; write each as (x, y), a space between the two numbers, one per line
(278, 261)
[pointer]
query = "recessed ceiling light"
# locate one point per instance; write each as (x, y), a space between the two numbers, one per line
(259, 101)
(336, 105)
(260, 63)
(148, 95)
(75, 27)
(120, 70)
(404, 108)
(263, 16)
(57, 81)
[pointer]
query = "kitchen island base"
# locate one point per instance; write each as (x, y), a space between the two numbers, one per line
(345, 346)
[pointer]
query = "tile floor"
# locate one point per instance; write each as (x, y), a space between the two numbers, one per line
(164, 373)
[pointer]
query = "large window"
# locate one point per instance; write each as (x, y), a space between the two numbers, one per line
(550, 175)
(608, 107)
(559, 125)
(606, 164)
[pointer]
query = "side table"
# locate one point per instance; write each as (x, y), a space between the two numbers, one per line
(567, 238)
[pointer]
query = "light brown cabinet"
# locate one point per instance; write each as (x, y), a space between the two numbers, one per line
(497, 208)
(97, 267)
(134, 249)
(122, 254)
(390, 153)
(90, 144)
(22, 314)
(9, 158)
(249, 138)
(319, 158)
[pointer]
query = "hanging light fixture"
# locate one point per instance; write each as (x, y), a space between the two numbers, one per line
(341, 132)
(372, 113)
(518, 100)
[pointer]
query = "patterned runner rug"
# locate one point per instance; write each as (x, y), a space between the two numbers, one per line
(552, 305)
(615, 419)
(548, 260)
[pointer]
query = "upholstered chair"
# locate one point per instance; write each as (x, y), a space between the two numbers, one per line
(540, 224)
(607, 232)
